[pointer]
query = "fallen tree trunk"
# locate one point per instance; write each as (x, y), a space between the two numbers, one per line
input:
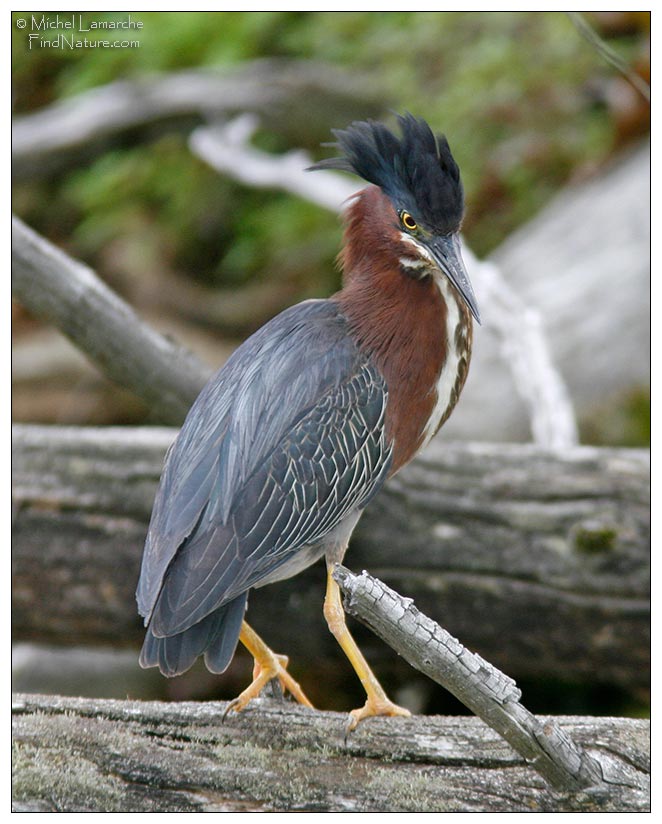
(468, 531)
(83, 755)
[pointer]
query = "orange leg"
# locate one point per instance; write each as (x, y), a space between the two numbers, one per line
(377, 702)
(267, 665)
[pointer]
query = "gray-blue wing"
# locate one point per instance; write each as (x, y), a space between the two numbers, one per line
(282, 445)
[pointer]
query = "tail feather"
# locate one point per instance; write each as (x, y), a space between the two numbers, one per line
(215, 637)
(220, 652)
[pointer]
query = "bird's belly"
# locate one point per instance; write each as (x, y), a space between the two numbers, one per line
(333, 546)
(300, 559)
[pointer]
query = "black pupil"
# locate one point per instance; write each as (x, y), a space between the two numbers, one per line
(409, 221)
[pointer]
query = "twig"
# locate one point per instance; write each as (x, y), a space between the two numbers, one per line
(53, 286)
(589, 34)
(489, 693)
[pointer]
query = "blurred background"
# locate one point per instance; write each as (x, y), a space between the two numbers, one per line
(538, 120)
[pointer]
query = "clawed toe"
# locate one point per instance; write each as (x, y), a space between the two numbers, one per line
(262, 676)
(371, 708)
(231, 707)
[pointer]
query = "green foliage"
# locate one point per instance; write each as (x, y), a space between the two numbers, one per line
(133, 191)
(168, 41)
(626, 421)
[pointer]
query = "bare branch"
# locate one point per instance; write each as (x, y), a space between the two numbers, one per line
(53, 286)
(589, 34)
(292, 98)
(227, 149)
(525, 350)
(489, 693)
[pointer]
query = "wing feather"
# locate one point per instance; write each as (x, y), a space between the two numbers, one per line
(282, 445)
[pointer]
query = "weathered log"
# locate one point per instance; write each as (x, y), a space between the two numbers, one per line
(296, 99)
(468, 531)
(83, 755)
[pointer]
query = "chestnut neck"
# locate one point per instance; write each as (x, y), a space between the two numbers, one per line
(399, 320)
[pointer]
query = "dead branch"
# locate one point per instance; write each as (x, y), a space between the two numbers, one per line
(292, 98)
(489, 693)
(57, 288)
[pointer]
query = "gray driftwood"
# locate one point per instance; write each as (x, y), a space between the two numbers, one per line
(292, 98)
(59, 289)
(489, 693)
(539, 560)
(82, 755)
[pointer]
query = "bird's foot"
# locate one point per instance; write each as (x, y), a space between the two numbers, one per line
(375, 705)
(275, 666)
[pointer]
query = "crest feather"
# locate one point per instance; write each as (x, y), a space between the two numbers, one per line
(417, 171)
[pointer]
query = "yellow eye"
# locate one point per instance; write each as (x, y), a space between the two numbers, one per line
(408, 222)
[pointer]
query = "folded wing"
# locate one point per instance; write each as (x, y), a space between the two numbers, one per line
(284, 443)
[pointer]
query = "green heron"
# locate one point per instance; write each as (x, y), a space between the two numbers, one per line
(291, 439)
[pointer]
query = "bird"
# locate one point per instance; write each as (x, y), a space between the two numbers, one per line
(292, 438)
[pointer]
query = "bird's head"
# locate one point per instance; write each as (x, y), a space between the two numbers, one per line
(415, 213)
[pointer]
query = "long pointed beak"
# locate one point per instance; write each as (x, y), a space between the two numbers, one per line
(445, 249)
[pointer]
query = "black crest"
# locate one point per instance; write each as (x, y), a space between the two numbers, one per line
(416, 171)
